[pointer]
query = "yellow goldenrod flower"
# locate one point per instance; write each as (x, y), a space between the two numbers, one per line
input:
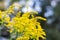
(25, 25)
(7, 19)
(41, 18)
(1, 14)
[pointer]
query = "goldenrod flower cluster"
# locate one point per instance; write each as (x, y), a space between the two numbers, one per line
(24, 25)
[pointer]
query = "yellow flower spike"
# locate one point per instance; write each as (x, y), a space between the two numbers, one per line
(41, 18)
(0, 17)
(27, 14)
(1, 14)
(10, 9)
(7, 19)
(9, 24)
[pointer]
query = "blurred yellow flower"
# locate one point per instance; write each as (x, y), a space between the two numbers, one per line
(7, 19)
(25, 25)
